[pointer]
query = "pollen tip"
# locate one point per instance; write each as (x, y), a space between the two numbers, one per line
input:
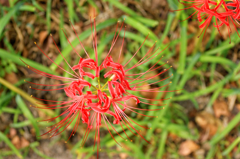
(50, 34)
(73, 134)
(28, 66)
(167, 61)
(170, 66)
(155, 41)
(65, 141)
(35, 43)
(31, 95)
(30, 87)
(124, 19)
(170, 81)
(126, 140)
(24, 80)
(100, 149)
(170, 97)
(30, 105)
(131, 140)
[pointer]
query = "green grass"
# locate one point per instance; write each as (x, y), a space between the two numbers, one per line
(28, 115)
(4, 138)
(5, 19)
(185, 68)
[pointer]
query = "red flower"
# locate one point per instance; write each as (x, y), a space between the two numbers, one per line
(206, 10)
(92, 104)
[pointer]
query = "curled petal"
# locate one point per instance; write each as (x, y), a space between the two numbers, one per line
(111, 89)
(76, 87)
(85, 116)
(89, 63)
(98, 107)
(108, 62)
(118, 75)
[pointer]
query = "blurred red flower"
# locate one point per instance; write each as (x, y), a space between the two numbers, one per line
(221, 12)
(93, 103)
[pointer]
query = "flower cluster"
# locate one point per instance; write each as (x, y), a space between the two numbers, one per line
(223, 12)
(93, 103)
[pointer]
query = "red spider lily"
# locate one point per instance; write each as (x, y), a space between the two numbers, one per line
(92, 104)
(223, 11)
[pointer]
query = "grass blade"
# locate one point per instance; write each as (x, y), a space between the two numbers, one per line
(217, 59)
(183, 46)
(146, 21)
(187, 72)
(167, 28)
(162, 143)
(28, 114)
(70, 9)
(48, 15)
(136, 37)
(226, 130)
(9, 143)
(230, 148)
(27, 8)
(204, 91)
(37, 5)
(140, 27)
(24, 95)
(16, 59)
(211, 152)
(5, 19)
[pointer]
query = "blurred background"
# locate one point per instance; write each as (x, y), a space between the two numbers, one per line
(201, 121)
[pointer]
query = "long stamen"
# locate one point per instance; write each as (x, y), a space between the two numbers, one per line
(79, 40)
(70, 42)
